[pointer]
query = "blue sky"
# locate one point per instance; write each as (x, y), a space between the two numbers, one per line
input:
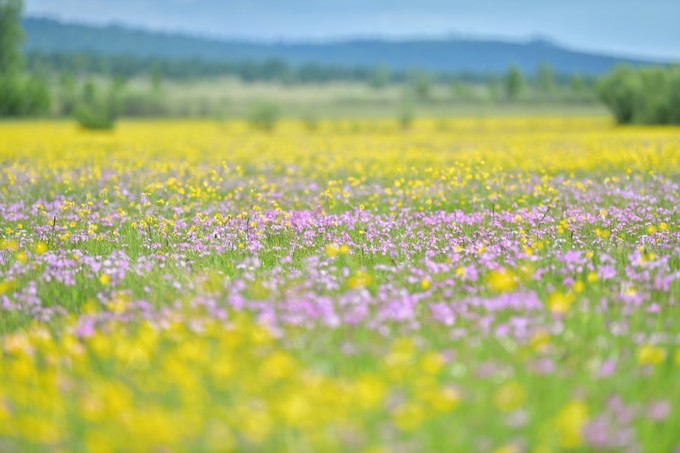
(635, 28)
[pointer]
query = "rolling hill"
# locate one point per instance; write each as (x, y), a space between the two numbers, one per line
(448, 55)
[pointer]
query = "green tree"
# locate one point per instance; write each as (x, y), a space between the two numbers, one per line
(11, 35)
(11, 86)
(67, 94)
(406, 115)
(11, 102)
(618, 91)
(97, 110)
(264, 116)
(461, 90)
(420, 83)
(19, 95)
(674, 95)
(513, 83)
(156, 79)
(577, 85)
(37, 98)
(379, 77)
(648, 95)
(545, 79)
(495, 89)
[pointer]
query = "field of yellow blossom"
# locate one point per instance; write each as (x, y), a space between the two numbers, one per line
(485, 284)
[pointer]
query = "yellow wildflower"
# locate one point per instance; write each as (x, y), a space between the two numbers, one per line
(651, 355)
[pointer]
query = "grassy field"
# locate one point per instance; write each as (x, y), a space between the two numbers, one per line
(470, 284)
(231, 98)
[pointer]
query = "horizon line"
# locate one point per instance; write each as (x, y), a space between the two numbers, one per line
(335, 39)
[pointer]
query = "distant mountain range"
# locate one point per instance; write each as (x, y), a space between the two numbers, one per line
(446, 55)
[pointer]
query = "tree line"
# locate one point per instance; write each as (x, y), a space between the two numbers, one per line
(63, 84)
(20, 93)
(642, 96)
(268, 70)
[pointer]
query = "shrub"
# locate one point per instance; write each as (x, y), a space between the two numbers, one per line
(264, 116)
(37, 98)
(23, 96)
(513, 83)
(420, 85)
(11, 98)
(406, 116)
(642, 96)
(97, 111)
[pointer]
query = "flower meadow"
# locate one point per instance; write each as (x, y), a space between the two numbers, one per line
(491, 284)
